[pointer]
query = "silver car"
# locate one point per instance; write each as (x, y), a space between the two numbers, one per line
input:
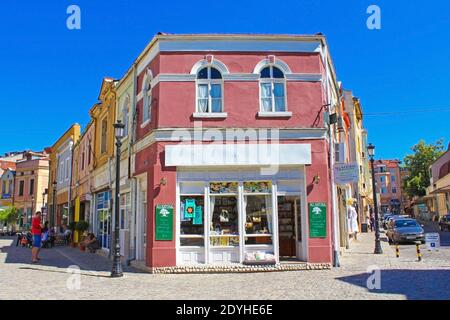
(405, 230)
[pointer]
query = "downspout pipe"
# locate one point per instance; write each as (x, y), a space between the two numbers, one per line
(130, 175)
(336, 262)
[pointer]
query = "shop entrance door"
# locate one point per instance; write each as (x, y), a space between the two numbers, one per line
(289, 227)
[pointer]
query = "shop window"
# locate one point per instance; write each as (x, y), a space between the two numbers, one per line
(224, 221)
(192, 221)
(258, 223)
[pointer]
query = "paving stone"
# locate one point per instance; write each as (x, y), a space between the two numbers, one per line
(401, 278)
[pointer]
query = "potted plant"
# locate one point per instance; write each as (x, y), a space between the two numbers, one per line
(81, 227)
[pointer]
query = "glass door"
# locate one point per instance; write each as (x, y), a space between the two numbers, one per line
(289, 227)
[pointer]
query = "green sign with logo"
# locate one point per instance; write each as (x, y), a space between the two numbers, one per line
(164, 222)
(317, 220)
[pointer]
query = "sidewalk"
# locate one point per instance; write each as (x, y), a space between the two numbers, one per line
(58, 258)
(360, 255)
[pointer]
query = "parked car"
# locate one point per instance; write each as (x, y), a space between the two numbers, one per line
(405, 230)
(394, 217)
(444, 223)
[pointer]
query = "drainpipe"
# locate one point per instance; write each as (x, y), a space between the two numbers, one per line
(130, 176)
(335, 238)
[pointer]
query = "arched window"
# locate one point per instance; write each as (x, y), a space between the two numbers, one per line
(125, 114)
(147, 95)
(209, 90)
(272, 84)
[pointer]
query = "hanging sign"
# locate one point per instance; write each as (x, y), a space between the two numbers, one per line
(189, 208)
(198, 216)
(317, 220)
(164, 222)
(345, 173)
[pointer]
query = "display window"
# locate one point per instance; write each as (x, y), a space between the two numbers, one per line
(192, 221)
(224, 223)
(259, 217)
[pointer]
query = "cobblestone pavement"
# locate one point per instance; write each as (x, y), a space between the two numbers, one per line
(401, 278)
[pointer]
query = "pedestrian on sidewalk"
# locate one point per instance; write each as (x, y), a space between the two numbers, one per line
(353, 227)
(368, 223)
(36, 231)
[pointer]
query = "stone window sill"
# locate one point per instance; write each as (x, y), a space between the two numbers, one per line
(285, 114)
(210, 115)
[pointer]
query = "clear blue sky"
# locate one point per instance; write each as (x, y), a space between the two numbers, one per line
(50, 76)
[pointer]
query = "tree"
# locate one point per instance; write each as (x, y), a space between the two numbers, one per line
(9, 215)
(418, 165)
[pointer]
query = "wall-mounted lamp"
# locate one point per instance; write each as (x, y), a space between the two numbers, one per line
(163, 182)
(316, 179)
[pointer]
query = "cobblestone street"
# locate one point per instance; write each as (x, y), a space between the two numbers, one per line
(401, 278)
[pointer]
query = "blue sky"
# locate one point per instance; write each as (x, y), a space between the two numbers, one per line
(50, 76)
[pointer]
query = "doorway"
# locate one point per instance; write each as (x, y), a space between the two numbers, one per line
(289, 227)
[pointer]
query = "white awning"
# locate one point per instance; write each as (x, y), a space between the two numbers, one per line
(237, 154)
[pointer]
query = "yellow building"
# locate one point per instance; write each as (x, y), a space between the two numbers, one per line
(59, 196)
(7, 187)
(83, 166)
(103, 116)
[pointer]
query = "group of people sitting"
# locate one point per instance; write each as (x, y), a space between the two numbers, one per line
(49, 236)
(90, 242)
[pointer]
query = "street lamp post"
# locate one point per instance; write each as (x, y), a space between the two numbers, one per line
(55, 184)
(29, 219)
(371, 152)
(44, 214)
(117, 264)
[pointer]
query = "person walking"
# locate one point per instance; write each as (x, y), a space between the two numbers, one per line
(36, 231)
(353, 227)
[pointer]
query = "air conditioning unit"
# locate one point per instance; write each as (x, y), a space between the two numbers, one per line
(340, 151)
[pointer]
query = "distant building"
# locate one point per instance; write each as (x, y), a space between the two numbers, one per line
(389, 185)
(30, 185)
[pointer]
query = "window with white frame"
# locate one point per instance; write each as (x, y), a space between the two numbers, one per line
(209, 90)
(272, 84)
(147, 95)
(192, 221)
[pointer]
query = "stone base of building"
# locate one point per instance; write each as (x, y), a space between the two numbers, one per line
(240, 268)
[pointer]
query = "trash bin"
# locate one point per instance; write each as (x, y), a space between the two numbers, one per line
(364, 227)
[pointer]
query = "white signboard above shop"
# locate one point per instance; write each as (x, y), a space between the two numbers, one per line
(238, 154)
(345, 173)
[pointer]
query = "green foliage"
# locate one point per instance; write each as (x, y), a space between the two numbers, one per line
(9, 215)
(82, 226)
(418, 165)
(71, 225)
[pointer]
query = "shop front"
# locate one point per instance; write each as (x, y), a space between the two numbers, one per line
(241, 216)
(103, 218)
(240, 204)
